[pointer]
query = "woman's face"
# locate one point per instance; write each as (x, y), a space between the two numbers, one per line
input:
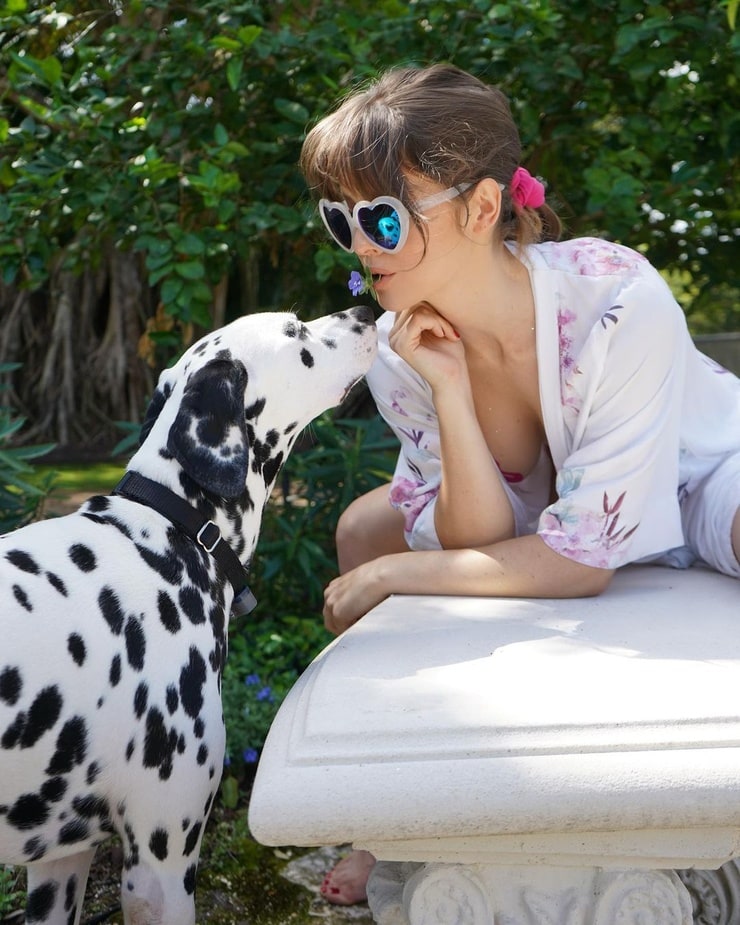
(419, 271)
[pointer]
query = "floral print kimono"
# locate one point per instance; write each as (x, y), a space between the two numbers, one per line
(635, 417)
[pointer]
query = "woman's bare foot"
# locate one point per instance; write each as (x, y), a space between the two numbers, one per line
(346, 884)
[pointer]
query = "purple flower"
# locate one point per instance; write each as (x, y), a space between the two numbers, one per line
(252, 679)
(265, 694)
(356, 284)
(250, 756)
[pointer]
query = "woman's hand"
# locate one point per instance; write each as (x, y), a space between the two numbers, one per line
(429, 344)
(352, 595)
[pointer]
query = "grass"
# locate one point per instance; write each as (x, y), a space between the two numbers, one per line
(93, 477)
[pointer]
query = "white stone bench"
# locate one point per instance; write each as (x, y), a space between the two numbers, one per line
(525, 761)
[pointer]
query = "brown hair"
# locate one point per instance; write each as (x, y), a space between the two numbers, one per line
(440, 122)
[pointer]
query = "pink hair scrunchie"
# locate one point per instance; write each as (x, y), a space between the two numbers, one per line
(526, 190)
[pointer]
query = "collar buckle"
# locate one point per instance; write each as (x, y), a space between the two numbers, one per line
(205, 540)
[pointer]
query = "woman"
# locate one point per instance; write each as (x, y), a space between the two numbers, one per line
(555, 420)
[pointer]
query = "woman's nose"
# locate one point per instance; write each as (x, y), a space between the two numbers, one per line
(361, 246)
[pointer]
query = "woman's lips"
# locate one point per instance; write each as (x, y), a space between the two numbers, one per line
(380, 278)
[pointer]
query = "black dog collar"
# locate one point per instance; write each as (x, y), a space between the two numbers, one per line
(136, 487)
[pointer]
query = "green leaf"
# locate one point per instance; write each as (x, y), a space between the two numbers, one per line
(190, 244)
(234, 72)
(190, 270)
(248, 35)
(293, 111)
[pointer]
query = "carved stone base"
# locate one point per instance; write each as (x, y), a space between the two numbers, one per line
(715, 894)
(452, 894)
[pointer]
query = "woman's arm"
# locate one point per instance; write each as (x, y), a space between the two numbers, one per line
(520, 567)
(472, 508)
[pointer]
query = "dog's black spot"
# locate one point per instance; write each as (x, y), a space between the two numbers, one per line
(192, 605)
(255, 409)
(192, 840)
(168, 612)
(114, 675)
(90, 806)
(56, 582)
(217, 619)
(111, 609)
(192, 679)
(181, 744)
(290, 428)
(83, 557)
(132, 857)
(93, 772)
(71, 747)
(20, 595)
(158, 844)
(172, 699)
(295, 329)
(23, 561)
(198, 728)
(34, 849)
(42, 716)
(167, 567)
(54, 789)
(135, 643)
(271, 469)
(69, 896)
(76, 648)
(40, 902)
(194, 559)
(13, 732)
(130, 749)
(202, 755)
(99, 504)
(11, 685)
(329, 342)
(76, 830)
(159, 744)
(307, 358)
(28, 811)
(141, 699)
(188, 881)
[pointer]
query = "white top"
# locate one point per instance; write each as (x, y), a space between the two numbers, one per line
(635, 416)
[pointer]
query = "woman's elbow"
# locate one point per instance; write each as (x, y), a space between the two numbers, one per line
(588, 581)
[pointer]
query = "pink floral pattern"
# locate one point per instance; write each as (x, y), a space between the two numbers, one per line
(409, 497)
(591, 537)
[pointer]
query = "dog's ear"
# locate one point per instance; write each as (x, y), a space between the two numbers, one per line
(152, 412)
(209, 435)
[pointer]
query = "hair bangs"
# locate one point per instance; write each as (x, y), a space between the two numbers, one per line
(356, 151)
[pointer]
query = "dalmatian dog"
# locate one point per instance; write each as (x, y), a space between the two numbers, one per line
(113, 619)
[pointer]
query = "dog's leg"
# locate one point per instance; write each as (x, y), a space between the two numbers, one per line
(153, 892)
(56, 889)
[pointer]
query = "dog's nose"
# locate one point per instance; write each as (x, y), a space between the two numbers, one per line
(362, 313)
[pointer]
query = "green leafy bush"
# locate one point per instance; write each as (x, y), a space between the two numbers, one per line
(12, 891)
(21, 494)
(295, 560)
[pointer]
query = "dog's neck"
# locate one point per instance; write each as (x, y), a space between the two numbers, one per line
(217, 525)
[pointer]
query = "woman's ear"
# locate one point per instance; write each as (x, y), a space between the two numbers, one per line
(484, 208)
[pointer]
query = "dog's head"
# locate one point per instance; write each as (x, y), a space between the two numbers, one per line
(237, 399)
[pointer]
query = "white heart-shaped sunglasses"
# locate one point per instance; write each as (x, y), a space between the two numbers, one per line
(384, 222)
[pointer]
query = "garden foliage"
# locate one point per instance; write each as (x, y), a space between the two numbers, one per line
(148, 159)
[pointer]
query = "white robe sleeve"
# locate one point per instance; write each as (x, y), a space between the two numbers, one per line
(617, 488)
